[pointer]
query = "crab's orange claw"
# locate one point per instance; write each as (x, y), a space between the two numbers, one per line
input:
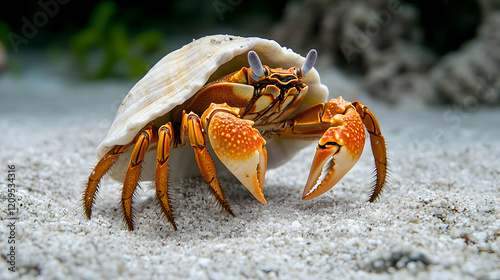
(338, 150)
(238, 145)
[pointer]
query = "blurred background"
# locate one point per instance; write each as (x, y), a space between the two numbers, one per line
(439, 52)
(429, 71)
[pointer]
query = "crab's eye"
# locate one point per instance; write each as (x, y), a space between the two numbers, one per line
(266, 72)
(298, 72)
(311, 57)
(255, 64)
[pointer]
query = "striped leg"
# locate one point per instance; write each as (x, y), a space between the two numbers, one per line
(100, 169)
(146, 137)
(191, 125)
(165, 135)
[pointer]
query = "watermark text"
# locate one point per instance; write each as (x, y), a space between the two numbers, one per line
(30, 26)
(12, 216)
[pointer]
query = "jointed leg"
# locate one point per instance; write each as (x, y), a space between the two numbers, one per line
(100, 169)
(134, 171)
(378, 148)
(165, 135)
(191, 125)
(339, 125)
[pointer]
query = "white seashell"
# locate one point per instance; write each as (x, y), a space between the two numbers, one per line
(178, 76)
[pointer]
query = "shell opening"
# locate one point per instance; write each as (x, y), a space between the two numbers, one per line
(311, 57)
(255, 64)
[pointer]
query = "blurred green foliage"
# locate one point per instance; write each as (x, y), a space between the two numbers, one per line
(110, 38)
(4, 30)
(105, 47)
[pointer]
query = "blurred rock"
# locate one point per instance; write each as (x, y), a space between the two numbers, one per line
(3, 57)
(470, 76)
(488, 7)
(378, 39)
(384, 43)
(410, 258)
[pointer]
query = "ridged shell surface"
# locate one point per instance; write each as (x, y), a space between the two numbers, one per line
(178, 76)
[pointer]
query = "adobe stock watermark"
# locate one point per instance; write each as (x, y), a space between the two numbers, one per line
(11, 219)
(31, 26)
(223, 6)
(362, 38)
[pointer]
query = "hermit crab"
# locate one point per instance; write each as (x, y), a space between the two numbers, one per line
(250, 101)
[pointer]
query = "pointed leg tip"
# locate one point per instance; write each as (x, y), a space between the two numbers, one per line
(88, 215)
(174, 226)
(373, 198)
(172, 222)
(230, 211)
(130, 226)
(87, 210)
(170, 219)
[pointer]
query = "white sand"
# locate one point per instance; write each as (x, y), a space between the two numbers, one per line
(439, 219)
